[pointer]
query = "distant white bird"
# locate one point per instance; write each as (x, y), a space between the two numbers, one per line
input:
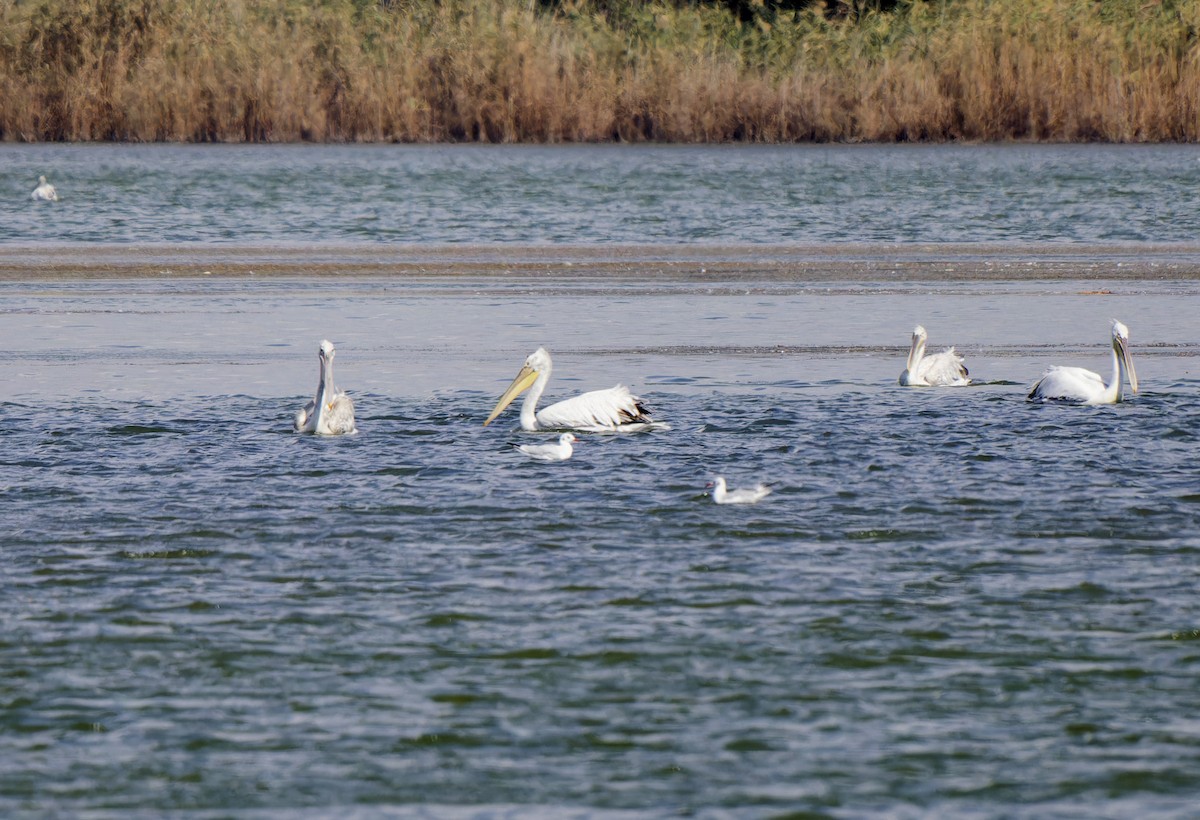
(331, 412)
(750, 496)
(1075, 385)
(943, 369)
(599, 411)
(550, 452)
(44, 192)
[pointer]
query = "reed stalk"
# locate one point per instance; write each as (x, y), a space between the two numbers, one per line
(625, 70)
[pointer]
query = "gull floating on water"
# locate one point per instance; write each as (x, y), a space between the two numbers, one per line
(1075, 385)
(44, 192)
(550, 452)
(598, 411)
(943, 369)
(721, 495)
(331, 412)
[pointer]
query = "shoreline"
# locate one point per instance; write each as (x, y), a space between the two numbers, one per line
(695, 264)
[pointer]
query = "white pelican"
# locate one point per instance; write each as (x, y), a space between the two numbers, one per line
(331, 412)
(943, 369)
(550, 452)
(598, 411)
(44, 192)
(750, 496)
(1079, 386)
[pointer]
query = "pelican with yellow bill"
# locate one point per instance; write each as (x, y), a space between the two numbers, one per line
(614, 410)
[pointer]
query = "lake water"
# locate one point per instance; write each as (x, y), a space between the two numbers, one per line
(603, 194)
(954, 603)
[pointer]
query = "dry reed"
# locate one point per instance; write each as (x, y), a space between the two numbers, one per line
(510, 71)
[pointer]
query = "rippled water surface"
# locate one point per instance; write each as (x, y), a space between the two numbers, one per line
(953, 603)
(604, 194)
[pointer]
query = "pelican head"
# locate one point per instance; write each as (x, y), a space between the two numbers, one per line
(1120, 343)
(42, 179)
(537, 366)
(919, 338)
(915, 354)
(325, 356)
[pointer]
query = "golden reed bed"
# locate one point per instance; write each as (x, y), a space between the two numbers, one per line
(509, 71)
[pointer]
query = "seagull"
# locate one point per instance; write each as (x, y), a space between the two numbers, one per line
(943, 369)
(750, 496)
(550, 452)
(598, 411)
(44, 192)
(1075, 385)
(331, 412)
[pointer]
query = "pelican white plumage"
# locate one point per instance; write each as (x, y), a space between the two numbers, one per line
(598, 411)
(1075, 385)
(44, 192)
(943, 369)
(331, 412)
(753, 495)
(559, 451)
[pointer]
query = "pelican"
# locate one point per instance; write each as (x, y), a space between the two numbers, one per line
(598, 411)
(331, 412)
(943, 369)
(1076, 385)
(550, 452)
(750, 496)
(44, 192)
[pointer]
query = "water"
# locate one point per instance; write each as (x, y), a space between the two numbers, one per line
(954, 603)
(603, 194)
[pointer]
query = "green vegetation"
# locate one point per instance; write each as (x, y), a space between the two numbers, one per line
(599, 70)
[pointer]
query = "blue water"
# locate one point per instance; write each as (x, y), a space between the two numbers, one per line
(603, 194)
(953, 603)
